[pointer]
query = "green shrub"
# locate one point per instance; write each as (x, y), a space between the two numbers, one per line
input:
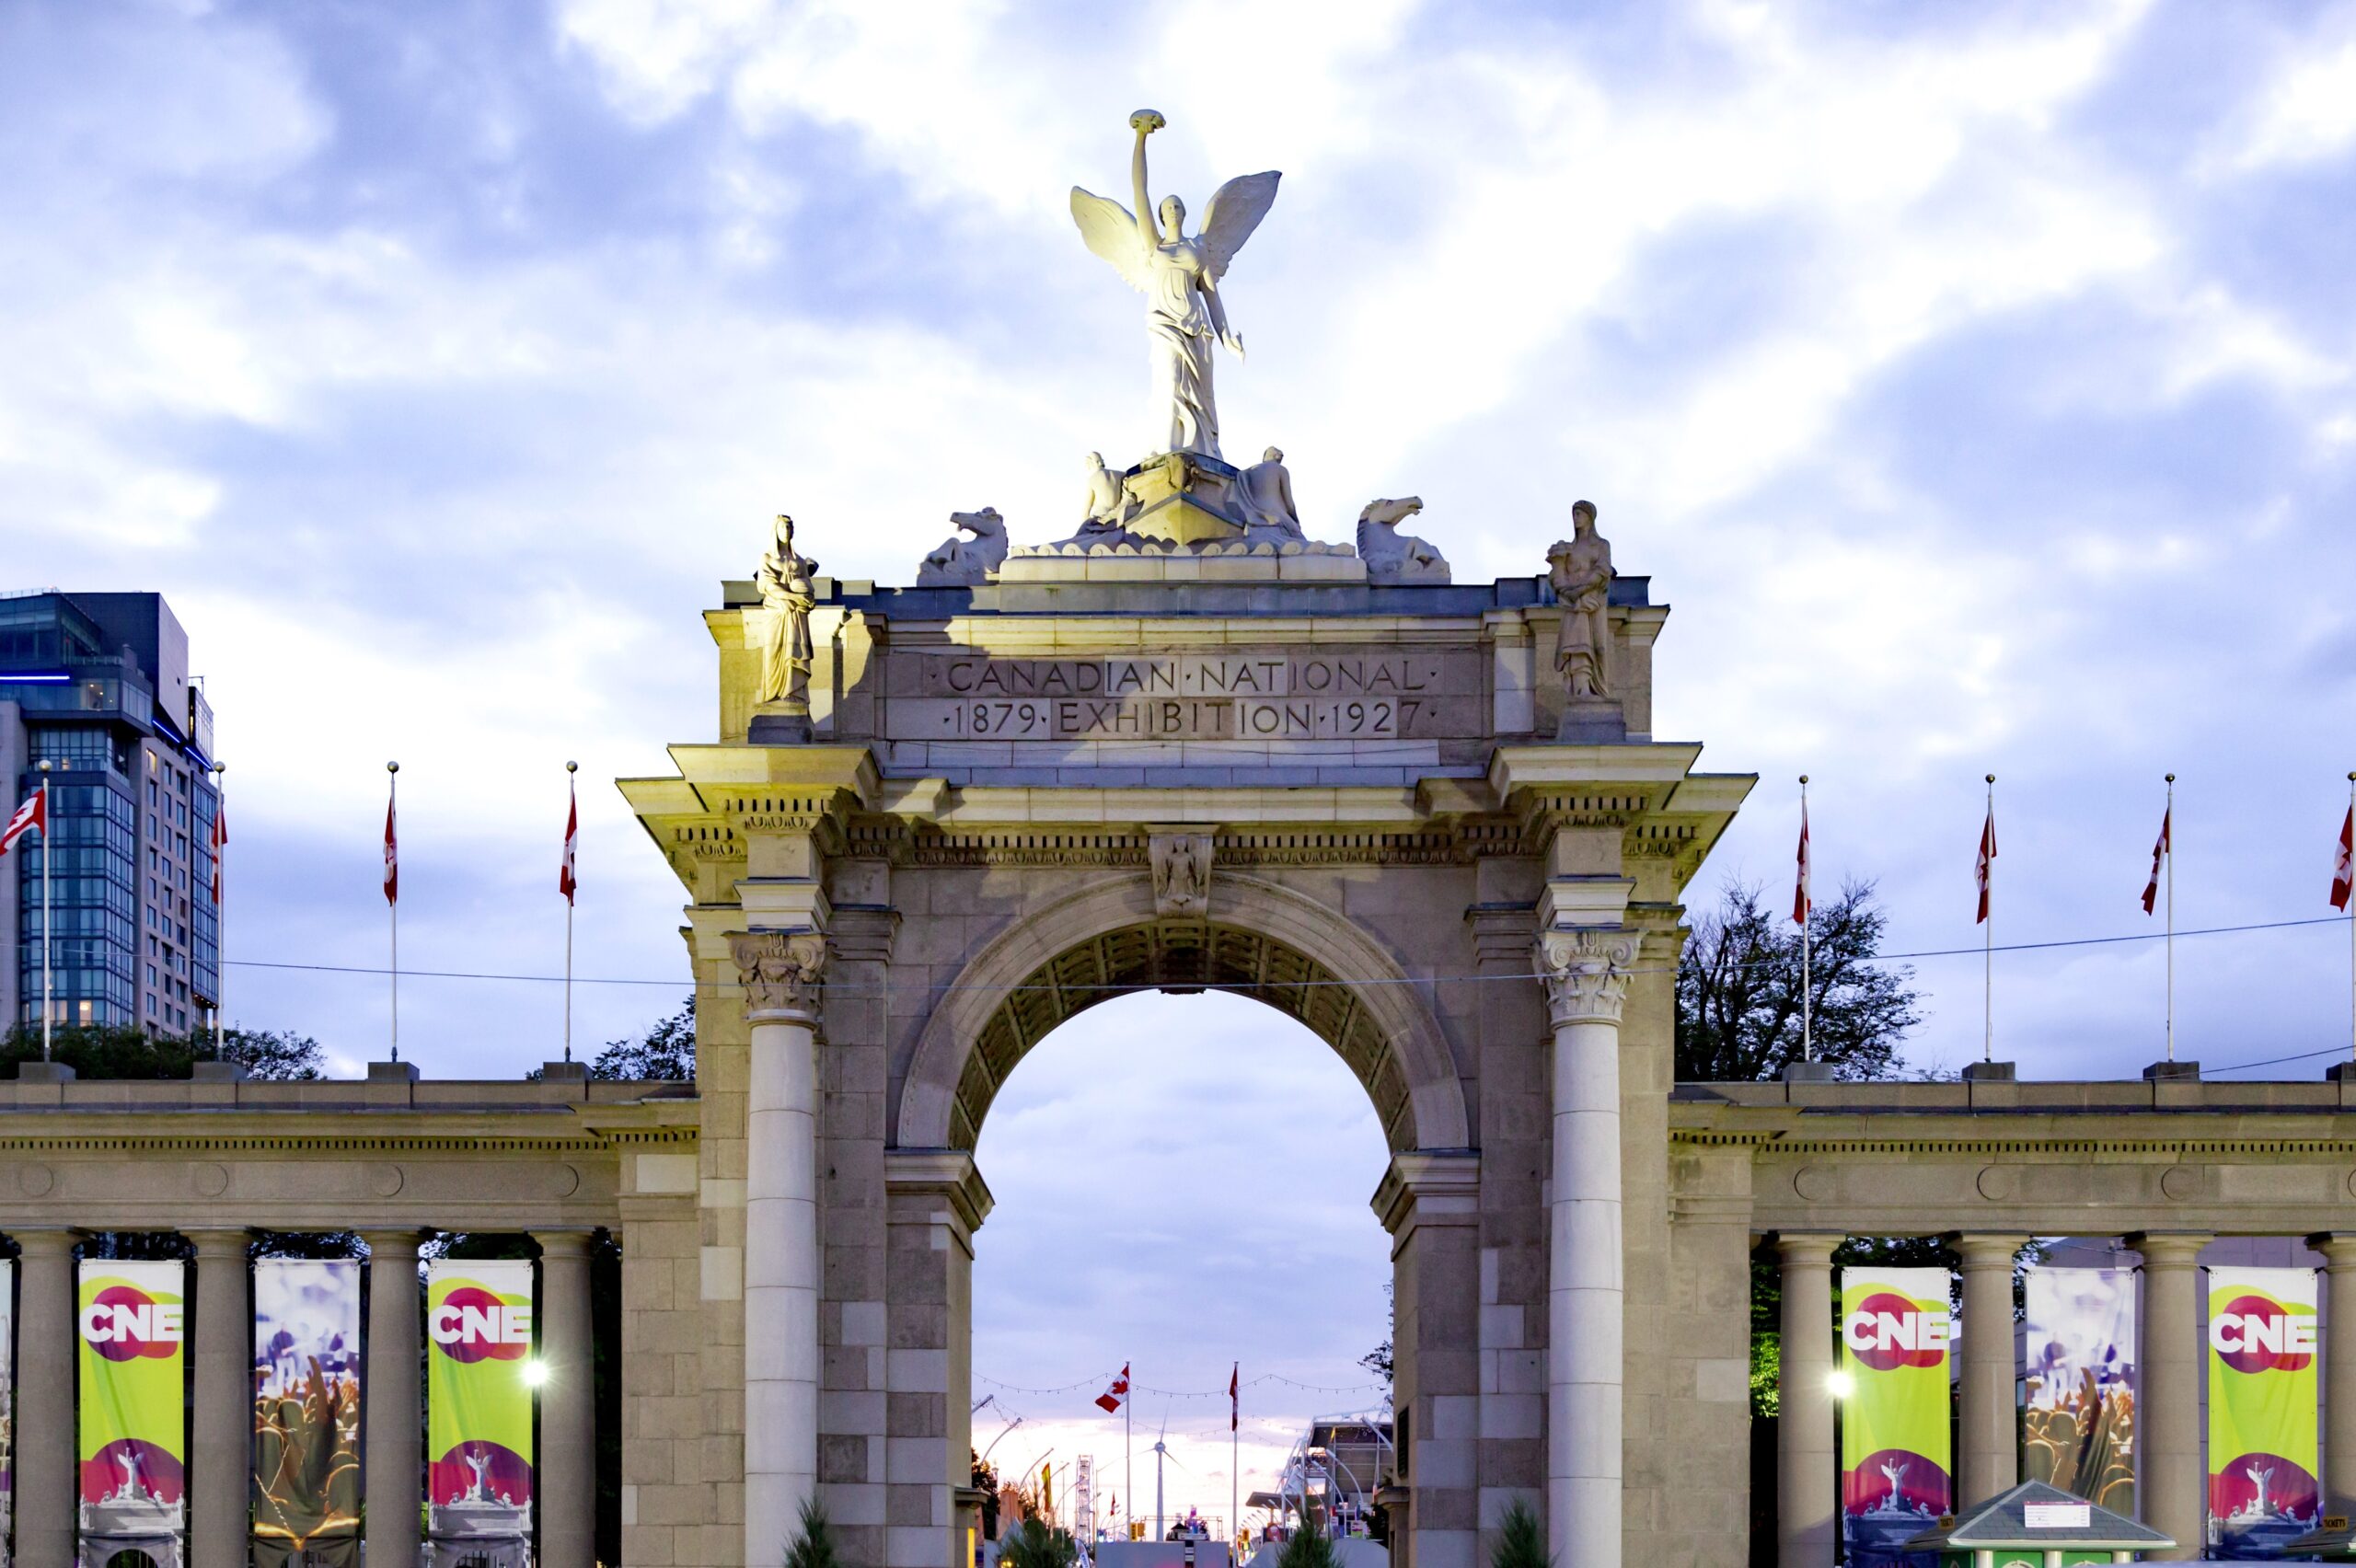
(1521, 1540)
(1034, 1543)
(1309, 1546)
(815, 1547)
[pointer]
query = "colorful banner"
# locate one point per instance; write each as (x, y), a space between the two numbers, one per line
(129, 1317)
(1895, 1455)
(7, 1405)
(306, 1411)
(478, 1401)
(2078, 1433)
(2262, 1460)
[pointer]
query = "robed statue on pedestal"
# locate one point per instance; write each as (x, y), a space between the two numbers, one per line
(1179, 276)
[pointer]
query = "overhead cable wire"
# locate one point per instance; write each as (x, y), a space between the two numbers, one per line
(852, 988)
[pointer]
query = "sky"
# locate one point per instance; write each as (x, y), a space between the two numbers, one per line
(1973, 381)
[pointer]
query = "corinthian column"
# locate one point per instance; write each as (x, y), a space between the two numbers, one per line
(220, 1510)
(1991, 1408)
(46, 1440)
(1586, 974)
(781, 975)
(2167, 1413)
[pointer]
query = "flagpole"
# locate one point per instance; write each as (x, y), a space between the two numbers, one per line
(1807, 1021)
(1234, 1474)
(2169, 820)
(393, 904)
(1988, 950)
(570, 770)
(1128, 1449)
(48, 841)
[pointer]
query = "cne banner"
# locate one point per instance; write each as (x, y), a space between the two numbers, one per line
(478, 1323)
(2078, 1431)
(2262, 1407)
(1896, 1456)
(130, 1319)
(306, 1413)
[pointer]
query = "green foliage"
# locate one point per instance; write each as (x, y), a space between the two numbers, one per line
(1309, 1546)
(815, 1546)
(1521, 1540)
(1379, 1360)
(1035, 1543)
(668, 1051)
(124, 1051)
(1766, 1375)
(1739, 990)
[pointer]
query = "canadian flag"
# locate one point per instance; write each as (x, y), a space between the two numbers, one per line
(220, 841)
(392, 857)
(2343, 869)
(565, 883)
(1802, 905)
(2159, 855)
(1234, 1404)
(1987, 862)
(1110, 1400)
(33, 814)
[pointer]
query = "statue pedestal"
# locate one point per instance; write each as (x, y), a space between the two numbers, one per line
(1592, 719)
(780, 724)
(1185, 497)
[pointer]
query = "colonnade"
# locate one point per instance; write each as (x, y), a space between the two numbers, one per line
(218, 1324)
(2172, 1490)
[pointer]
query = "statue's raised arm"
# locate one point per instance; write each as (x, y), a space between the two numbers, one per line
(1179, 275)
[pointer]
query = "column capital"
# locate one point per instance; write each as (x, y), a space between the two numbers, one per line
(2170, 1249)
(564, 1243)
(1586, 972)
(1975, 1251)
(219, 1242)
(780, 971)
(2338, 1247)
(1807, 1249)
(46, 1240)
(1428, 1188)
(382, 1243)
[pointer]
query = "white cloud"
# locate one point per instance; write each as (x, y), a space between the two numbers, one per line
(2305, 111)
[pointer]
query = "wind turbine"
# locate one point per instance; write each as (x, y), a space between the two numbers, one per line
(1161, 1452)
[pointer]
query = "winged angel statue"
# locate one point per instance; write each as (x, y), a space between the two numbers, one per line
(1179, 277)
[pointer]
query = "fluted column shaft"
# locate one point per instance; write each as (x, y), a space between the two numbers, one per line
(219, 1478)
(2174, 1489)
(391, 1404)
(2338, 1372)
(781, 975)
(1586, 983)
(46, 1487)
(1806, 1469)
(567, 1478)
(1990, 1462)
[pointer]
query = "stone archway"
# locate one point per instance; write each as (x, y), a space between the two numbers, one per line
(1258, 940)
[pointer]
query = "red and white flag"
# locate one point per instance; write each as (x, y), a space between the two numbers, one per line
(392, 857)
(33, 814)
(1234, 1404)
(2159, 854)
(1987, 862)
(220, 842)
(2343, 869)
(1802, 905)
(565, 883)
(1110, 1400)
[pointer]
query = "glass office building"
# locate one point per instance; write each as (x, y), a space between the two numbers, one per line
(97, 685)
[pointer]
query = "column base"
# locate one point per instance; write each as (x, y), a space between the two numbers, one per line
(2340, 1072)
(392, 1072)
(1989, 1072)
(44, 1072)
(2173, 1072)
(1808, 1072)
(564, 1072)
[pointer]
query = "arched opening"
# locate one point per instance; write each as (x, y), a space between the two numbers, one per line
(1182, 1185)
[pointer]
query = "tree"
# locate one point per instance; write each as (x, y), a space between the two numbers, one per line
(125, 1051)
(814, 1547)
(1521, 1540)
(1379, 1360)
(1739, 990)
(668, 1051)
(1036, 1543)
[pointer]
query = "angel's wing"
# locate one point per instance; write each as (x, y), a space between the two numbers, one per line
(1235, 210)
(1113, 233)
